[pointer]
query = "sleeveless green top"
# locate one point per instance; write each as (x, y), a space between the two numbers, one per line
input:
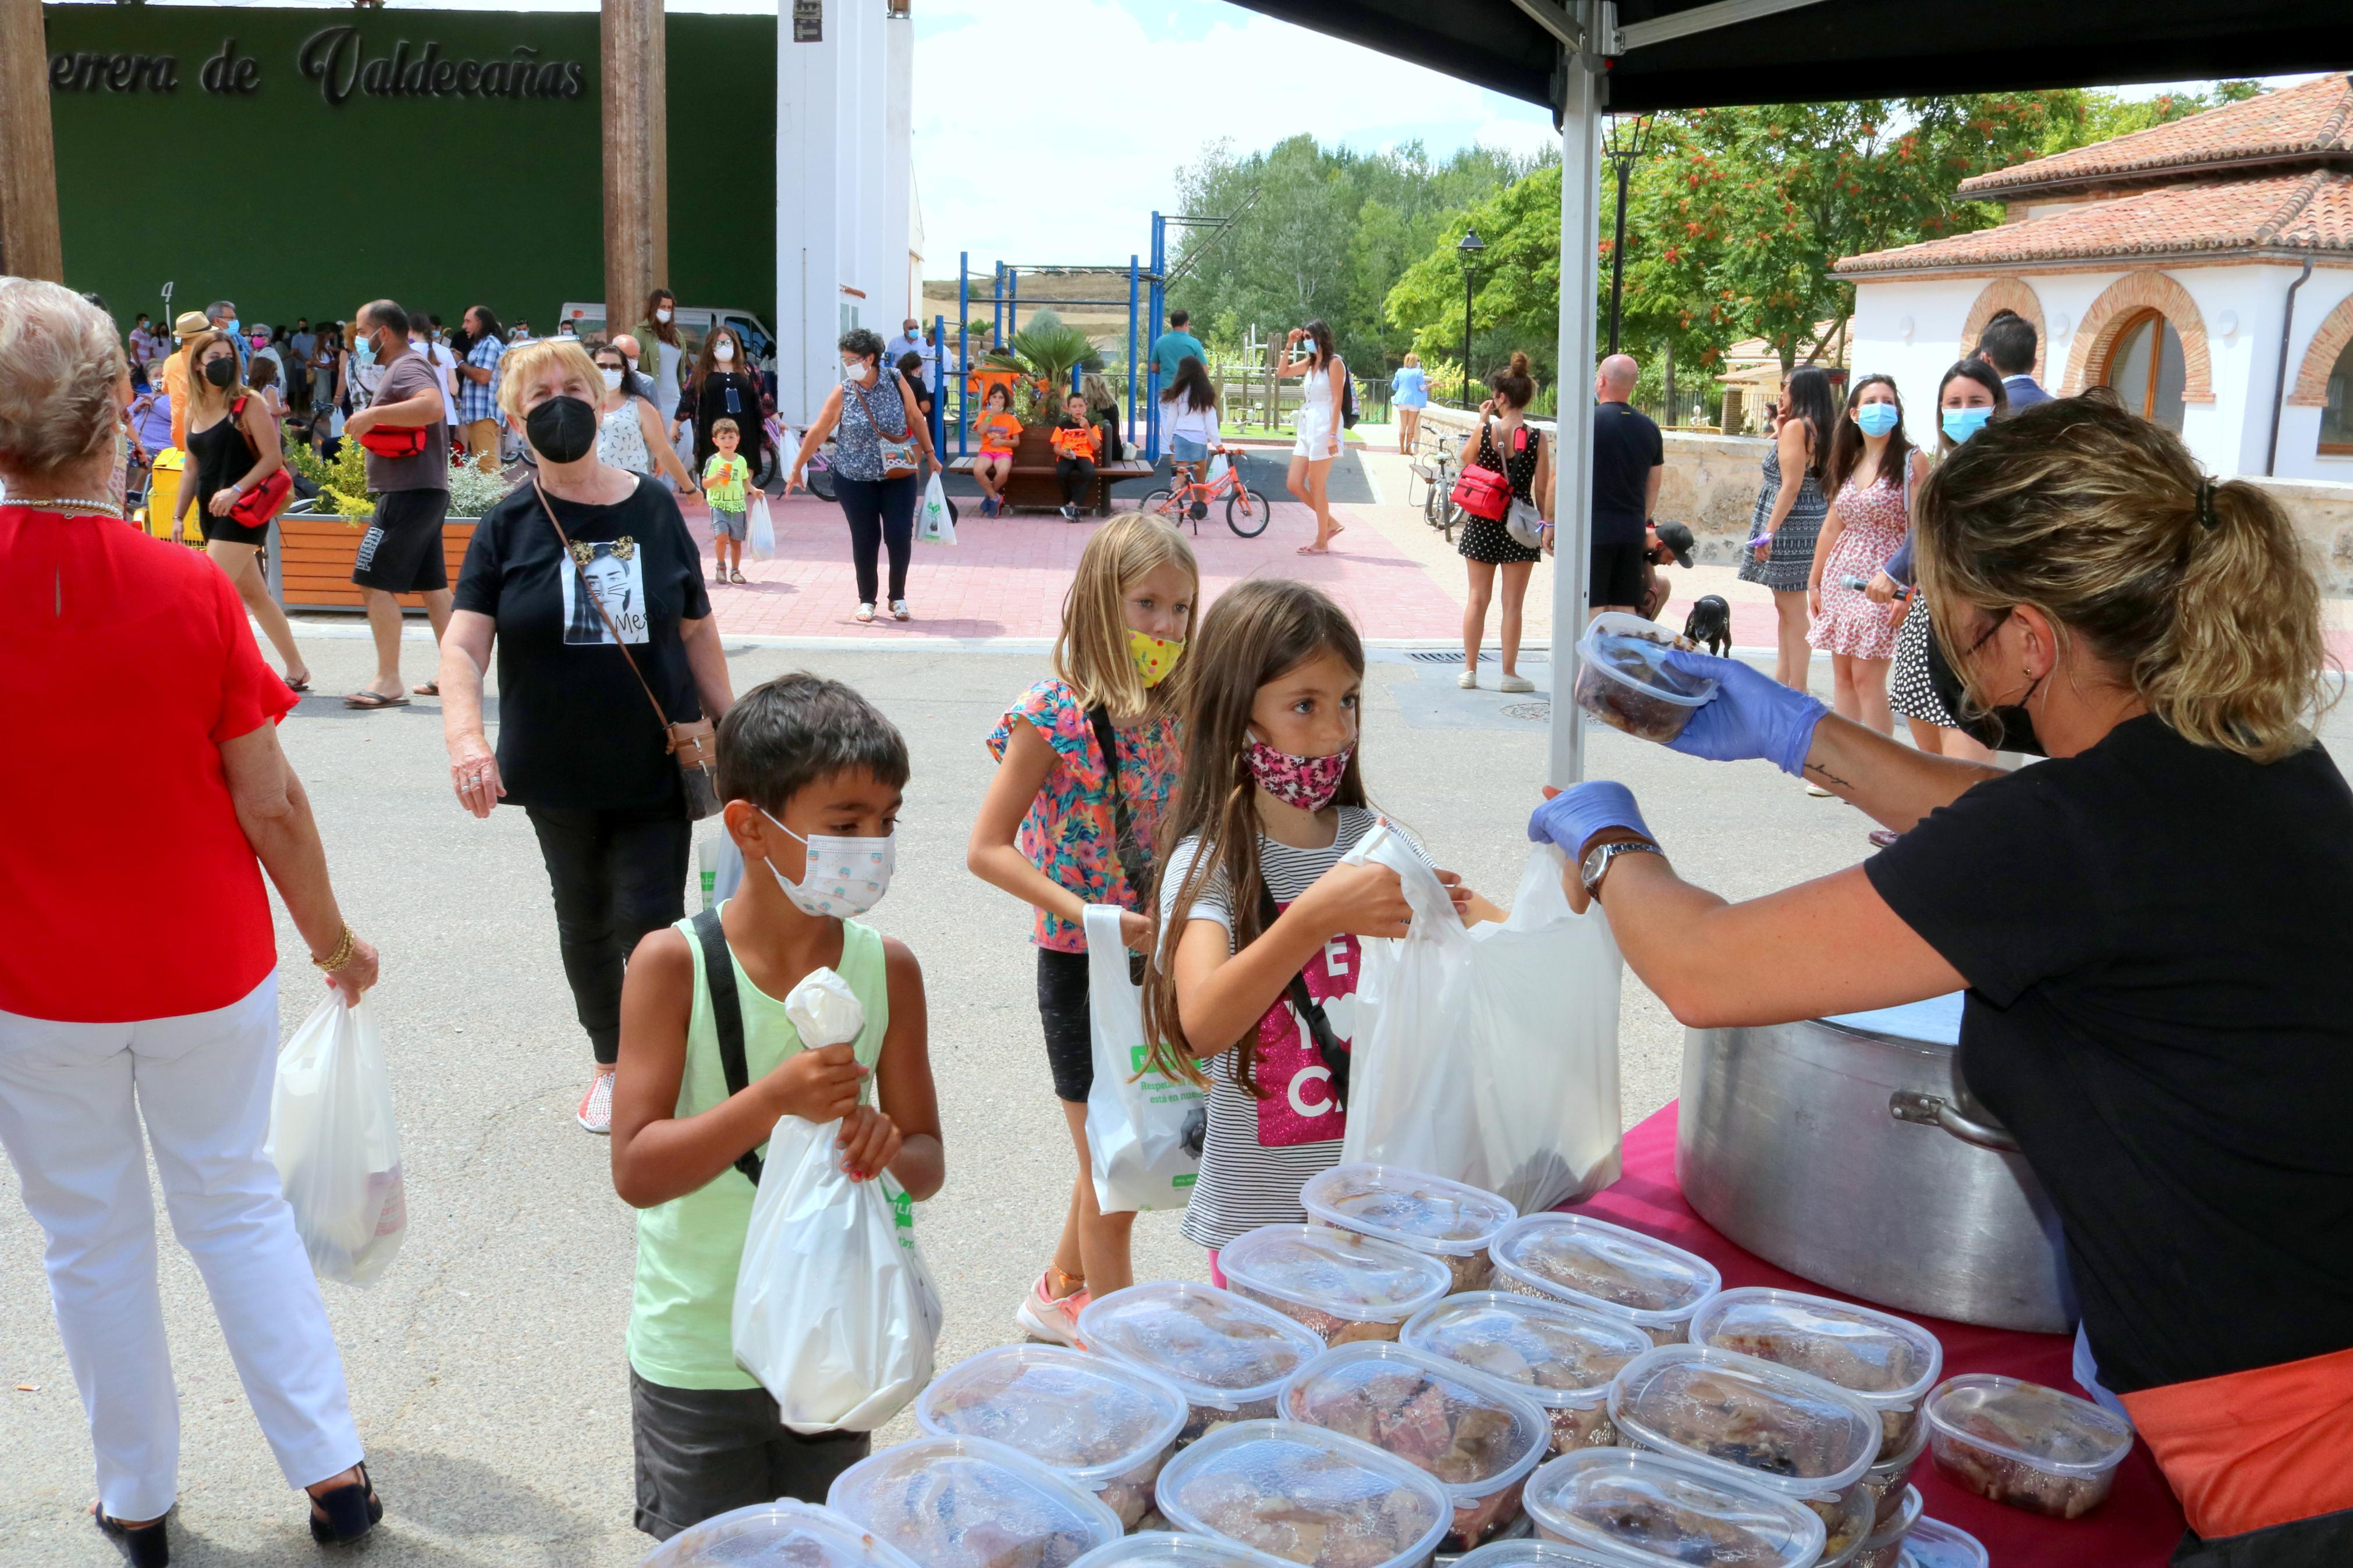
(681, 1319)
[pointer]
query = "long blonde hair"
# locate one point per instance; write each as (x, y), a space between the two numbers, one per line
(1091, 655)
(2196, 590)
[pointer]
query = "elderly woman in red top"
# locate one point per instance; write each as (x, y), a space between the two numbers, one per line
(100, 1031)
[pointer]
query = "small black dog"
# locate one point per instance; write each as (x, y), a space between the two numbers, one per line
(1711, 625)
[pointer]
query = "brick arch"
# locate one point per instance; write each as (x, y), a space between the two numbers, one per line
(2009, 294)
(2335, 331)
(2121, 300)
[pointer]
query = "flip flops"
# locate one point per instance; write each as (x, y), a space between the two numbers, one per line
(369, 701)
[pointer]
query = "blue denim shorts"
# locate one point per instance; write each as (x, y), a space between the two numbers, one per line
(1185, 449)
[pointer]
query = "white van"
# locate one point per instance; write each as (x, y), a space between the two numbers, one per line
(693, 323)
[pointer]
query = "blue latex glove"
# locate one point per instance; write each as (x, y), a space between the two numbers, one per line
(1572, 817)
(1751, 715)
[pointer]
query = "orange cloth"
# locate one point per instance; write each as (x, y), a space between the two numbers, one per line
(999, 433)
(976, 385)
(1085, 442)
(175, 383)
(2251, 1450)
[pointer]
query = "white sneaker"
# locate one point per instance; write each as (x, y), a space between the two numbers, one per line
(865, 613)
(1468, 680)
(596, 1113)
(899, 610)
(1054, 1319)
(1514, 682)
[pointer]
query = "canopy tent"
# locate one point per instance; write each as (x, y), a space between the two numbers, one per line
(1587, 58)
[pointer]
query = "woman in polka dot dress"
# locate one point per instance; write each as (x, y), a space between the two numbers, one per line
(1524, 457)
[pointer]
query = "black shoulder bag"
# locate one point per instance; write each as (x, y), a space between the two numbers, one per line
(726, 1018)
(1327, 1039)
(1134, 857)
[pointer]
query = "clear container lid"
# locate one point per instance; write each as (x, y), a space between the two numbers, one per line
(1158, 1549)
(1882, 1359)
(2056, 1433)
(1933, 1543)
(780, 1535)
(1335, 1271)
(1748, 1420)
(1631, 651)
(1218, 1350)
(1595, 1264)
(1557, 1354)
(1473, 1434)
(1306, 1496)
(1091, 1418)
(1899, 1523)
(1526, 1551)
(966, 1502)
(1426, 1213)
(1659, 1508)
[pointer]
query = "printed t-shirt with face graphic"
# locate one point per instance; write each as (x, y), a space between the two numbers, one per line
(1260, 1151)
(574, 728)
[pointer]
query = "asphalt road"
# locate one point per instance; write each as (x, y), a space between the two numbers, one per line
(486, 1368)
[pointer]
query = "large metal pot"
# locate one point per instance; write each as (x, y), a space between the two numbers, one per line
(1848, 1150)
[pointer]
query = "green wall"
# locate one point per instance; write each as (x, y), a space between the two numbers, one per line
(243, 181)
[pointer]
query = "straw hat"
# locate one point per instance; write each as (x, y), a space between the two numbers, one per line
(187, 324)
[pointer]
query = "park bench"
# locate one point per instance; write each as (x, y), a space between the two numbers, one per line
(1033, 485)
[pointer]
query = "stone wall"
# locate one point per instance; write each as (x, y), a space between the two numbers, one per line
(1712, 482)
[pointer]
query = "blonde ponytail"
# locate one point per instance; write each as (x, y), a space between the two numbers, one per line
(2196, 592)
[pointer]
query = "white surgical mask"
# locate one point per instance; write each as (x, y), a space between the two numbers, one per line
(662, 315)
(839, 877)
(612, 379)
(853, 369)
(722, 351)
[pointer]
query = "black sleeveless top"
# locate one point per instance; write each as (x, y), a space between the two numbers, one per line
(220, 457)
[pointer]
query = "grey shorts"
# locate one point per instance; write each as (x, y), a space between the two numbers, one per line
(732, 524)
(703, 1451)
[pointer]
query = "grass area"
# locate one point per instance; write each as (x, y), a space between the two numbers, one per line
(1271, 433)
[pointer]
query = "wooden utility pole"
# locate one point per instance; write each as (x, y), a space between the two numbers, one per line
(637, 157)
(30, 246)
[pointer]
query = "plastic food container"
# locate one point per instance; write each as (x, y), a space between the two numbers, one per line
(1527, 1552)
(1886, 1362)
(1560, 1356)
(966, 1502)
(1343, 1285)
(1756, 1424)
(1883, 1547)
(1106, 1427)
(2022, 1444)
(780, 1535)
(1888, 1473)
(1623, 678)
(1590, 1263)
(1447, 1220)
(1159, 1548)
(1654, 1509)
(1933, 1543)
(1478, 1439)
(1306, 1496)
(1227, 1356)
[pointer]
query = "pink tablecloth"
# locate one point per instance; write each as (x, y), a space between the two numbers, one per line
(2136, 1528)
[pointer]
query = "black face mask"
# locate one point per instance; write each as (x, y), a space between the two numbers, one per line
(2004, 729)
(561, 430)
(222, 370)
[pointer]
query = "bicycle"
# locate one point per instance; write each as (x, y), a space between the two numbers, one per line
(1247, 512)
(1438, 508)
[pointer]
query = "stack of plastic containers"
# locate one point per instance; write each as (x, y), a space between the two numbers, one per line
(1448, 1221)
(1345, 1286)
(1227, 1356)
(1607, 1268)
(1560, 1356)
(1105, 1427)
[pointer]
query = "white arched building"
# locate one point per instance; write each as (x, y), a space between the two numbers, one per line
(2204, 268)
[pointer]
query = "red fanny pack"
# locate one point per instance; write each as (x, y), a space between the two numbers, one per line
(395, 440)
(255, 507)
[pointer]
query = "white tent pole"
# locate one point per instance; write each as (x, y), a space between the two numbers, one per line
(1572, 565)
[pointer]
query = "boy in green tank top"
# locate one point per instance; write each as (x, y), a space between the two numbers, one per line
(812, 774)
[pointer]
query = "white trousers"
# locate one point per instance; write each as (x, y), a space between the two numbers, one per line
(72, 1096)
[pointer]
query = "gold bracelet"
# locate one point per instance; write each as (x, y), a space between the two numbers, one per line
(342, 955)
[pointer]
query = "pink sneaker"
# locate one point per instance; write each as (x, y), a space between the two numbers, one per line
(1053, 1317)
(596, 1113)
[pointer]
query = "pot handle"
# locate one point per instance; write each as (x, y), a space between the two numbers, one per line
(1927, 1111)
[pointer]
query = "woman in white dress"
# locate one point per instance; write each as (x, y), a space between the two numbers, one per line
(1325, 389)
(629, 431)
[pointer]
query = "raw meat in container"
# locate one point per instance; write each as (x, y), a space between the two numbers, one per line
(1106, 1427)
(1590, 1263)
(1227, 1356)
(966, 1502)
(781, 1535)
(1560, 1356)
(1307, 1496)
(1345, 1286)
(1887, 1363)
(1450, 1221)
(2022, 1444)
(1657, 1507)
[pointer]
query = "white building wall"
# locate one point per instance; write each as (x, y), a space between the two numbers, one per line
(2299, 441)
(890, 271)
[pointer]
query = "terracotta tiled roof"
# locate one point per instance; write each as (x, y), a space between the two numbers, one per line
(2313, 121)
(2306, 212)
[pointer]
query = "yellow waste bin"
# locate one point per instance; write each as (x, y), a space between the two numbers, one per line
(164, 493)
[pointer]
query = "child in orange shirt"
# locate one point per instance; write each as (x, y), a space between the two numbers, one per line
(1077, 445)
(999, 432)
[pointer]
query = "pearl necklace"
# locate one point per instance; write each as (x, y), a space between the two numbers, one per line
(60, 502)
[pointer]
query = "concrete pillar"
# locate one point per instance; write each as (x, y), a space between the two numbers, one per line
(633, 60)
(30, 244)
(896, 198)
(809, 222)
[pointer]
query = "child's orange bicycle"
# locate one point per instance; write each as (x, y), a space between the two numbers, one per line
(1247, 512)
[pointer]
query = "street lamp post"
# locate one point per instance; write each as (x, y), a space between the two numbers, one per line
(1469, 251)
(1624, 143)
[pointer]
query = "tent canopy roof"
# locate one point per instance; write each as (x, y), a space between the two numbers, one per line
(1845, 49)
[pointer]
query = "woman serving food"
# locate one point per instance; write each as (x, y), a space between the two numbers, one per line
(2152, 927)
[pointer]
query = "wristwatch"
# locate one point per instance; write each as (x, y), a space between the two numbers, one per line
(1596, 865)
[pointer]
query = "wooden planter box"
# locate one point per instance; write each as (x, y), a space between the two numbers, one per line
(310, 566)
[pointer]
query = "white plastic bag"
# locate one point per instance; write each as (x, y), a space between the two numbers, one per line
(1489, 1055)
(762, 541)
(933, 523)
(333, 1140)
(835, 1312)
(1217, 466)
(1135, 1125)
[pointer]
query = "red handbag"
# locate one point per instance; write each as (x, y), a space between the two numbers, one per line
(1483, 492)
(255, 507)
(395, 440)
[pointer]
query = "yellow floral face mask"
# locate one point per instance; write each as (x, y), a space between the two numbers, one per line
(1155, 657)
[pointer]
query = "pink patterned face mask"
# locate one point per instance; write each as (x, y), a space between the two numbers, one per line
(1307, 783)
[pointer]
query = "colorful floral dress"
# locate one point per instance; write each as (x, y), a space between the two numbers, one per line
(1872, 527)
(1068, 833)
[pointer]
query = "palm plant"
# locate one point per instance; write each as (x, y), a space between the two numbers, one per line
(1045, 352)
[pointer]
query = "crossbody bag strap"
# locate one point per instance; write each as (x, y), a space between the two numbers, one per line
(598, 599)
(1134, 857)
(726, 1018)
(1328, 1044)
